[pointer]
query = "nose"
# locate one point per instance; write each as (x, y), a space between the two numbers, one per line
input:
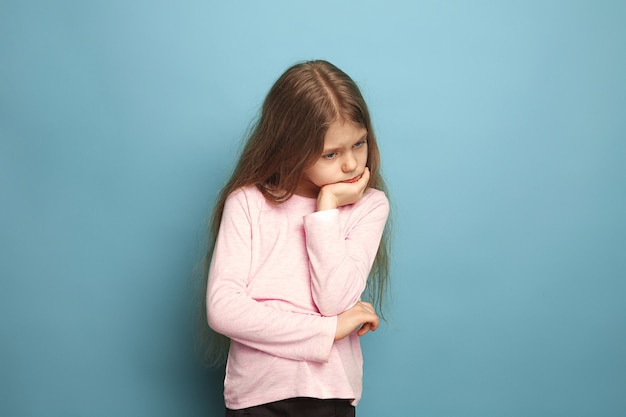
(349, 163)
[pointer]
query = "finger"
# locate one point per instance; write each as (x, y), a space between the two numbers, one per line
(374, 325)
(367, 173)
(365, 177)
(364, 329)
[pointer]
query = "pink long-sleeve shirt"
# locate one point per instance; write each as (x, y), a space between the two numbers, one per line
(279, 276)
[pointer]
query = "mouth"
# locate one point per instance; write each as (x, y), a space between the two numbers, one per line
(355, 179)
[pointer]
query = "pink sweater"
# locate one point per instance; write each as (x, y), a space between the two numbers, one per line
(279, 277)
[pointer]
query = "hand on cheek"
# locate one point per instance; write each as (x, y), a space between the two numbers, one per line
(340, 194)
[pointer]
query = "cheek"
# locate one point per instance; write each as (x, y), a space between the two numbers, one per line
(364, 159)
(314, 174)
(323, 175)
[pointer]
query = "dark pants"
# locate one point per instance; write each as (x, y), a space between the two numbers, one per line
(297, 407)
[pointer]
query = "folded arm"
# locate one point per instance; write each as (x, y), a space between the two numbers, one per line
(341, 260)
(233, 313)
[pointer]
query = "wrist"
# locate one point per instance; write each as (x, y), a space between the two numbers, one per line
(326, 201)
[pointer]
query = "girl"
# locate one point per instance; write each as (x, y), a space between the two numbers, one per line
(295, 235)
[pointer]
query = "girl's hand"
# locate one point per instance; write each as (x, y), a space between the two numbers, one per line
(340, 194)
(362, 314)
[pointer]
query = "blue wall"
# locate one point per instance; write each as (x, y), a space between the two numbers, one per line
(503, 134)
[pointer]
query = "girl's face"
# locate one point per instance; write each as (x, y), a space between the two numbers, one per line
(343, 160)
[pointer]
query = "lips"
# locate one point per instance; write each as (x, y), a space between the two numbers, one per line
(355, 179)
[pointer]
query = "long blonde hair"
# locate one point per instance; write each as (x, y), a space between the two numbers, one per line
(287, 138)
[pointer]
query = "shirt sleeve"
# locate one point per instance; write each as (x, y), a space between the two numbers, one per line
(233, 313)
(341, 260)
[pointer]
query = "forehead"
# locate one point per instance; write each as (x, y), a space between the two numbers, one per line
(343, 133)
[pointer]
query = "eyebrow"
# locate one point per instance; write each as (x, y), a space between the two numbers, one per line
(331, 150)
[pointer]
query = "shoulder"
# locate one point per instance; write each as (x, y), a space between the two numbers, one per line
(248, 198)
(248, 192)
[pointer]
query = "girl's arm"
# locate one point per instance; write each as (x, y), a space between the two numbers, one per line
(340, 260)
(236, 315)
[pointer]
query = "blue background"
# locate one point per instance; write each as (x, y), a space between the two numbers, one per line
(502, 128)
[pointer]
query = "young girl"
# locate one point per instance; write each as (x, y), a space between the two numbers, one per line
(296, 233)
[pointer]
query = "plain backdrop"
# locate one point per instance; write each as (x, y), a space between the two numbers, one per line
(502, 127)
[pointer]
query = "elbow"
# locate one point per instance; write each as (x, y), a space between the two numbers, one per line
(333, 307)
(212, 320)
(332, 300)
(329, 311)
(217, 323)
(215, 317)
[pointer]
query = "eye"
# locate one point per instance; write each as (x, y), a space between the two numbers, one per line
(360, 143)
(330, 155)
